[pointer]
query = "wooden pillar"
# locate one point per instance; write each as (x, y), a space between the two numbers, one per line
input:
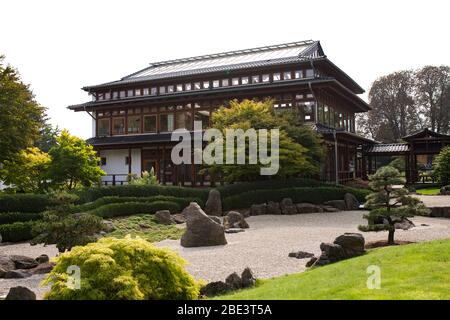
(407, 170)
(164, 164)
(363, 165)
(129, 160)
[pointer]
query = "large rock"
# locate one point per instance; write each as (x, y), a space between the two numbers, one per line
(6, 263)
(273, 208)
(43, 258)
(16, 274)
(2, 272)
(326, 208)
(108, 226)
(163, 217)
(23, 262)
(351, 243)
(201, 230)
(20, 293)
(351, 202)
(258, 209)
(287, 206)
(440, 212)
(247, 278)
(234, 219)
(338, 204)
(215, 288)
(330, 253)
(234, 281)
(179, 218)
(300, 254)
(311, 262)
(213, 205)
(216, 219)
(401, 223)
(308, 208)
(42, 268)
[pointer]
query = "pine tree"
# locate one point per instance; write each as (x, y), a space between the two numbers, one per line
(388, 202)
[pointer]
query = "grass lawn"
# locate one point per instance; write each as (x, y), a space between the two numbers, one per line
(428, 191)
(415, 271)
(146, 227)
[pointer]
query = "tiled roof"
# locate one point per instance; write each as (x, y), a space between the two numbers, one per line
(387, 148)
(129, 139)
(425, 133)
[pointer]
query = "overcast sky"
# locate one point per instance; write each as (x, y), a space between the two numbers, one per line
(60, 46)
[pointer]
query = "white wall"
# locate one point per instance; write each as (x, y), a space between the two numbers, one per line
(94, 129)
(115, 163)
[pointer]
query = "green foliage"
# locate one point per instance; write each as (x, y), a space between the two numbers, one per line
(293, 158)
(182, 202)
(398, 163)
(32, 203)
(94, 193)
(388, 201)
(316, 195)
(64, 229)
(11, 217)
(74, 163)
(26, 173)
(441, 166)
(122, 269)
(17, 231)
(130, 208)
(147, 179)
(48, 136)
(20, 115)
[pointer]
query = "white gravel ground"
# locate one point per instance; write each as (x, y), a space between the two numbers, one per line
(264, 247)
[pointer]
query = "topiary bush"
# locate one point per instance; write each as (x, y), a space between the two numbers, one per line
(182, 202)
(441, 166)
(17, 231)
(315, 195)
(122, 269)
(26, 202)
(11, 217)
(94, 193)
(130, 208)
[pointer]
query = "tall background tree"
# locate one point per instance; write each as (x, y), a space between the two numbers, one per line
(21, 117)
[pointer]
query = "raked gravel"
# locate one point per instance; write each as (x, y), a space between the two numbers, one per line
(264, 247)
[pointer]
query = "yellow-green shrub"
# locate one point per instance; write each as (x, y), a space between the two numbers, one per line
(122, 269)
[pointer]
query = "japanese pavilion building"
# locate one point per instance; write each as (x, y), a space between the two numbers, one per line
(133, 117)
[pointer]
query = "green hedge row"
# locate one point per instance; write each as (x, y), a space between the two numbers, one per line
(94, 193)
(130, 208)
(17, 231)
(11, 217)
(26, 202)
(316, 195)
(238, 188)
(182, 202)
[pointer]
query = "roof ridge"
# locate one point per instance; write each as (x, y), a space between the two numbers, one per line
(226, 54)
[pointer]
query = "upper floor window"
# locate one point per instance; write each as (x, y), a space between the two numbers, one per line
(100, 96)
(130, 93)
(244, 80)
(115, 94)
(287, 75)
(265, 78)
(122, 94)
(145, 92)
(187, 87)
(179, 87)
(276, 76)
(170, 89)
(134, 124)
(103, 127)
(235, 81)
(197, 86)
(150, 123)
(153, 91)
(298, 74)
(108, 95)
(225, 82)
(162, 90)
(255, 79)
(166, 122)
(205, 84)
(309, 73)
(137, 92)
(216, 83)
(118, 126)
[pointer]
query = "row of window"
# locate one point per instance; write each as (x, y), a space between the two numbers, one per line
(225, 82)
(329, 116)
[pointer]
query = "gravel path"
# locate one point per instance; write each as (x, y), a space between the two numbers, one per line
(435, 201)
(264, 247)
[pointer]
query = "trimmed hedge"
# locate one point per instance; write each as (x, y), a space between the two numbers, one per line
(316, 195)
(11, 217)
(27, 202)
(241, 187)
(182, 202)
(94, 193)
(17, 231)
(130, 208)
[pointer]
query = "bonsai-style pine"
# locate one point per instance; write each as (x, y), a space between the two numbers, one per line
(388, 201)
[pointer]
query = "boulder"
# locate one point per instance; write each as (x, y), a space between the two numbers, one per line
(351, 203)
(330, 253)
(247, 278)
(216, 219)
(234, 219)
(6, 263)
(179, 218)
(23, 262)
(108, 226)
(444, 191)
(287, 206)
(20, 293)
(300, 254)
(234, 281)
(42, 268)
(213, 205)
(1, 238)
(311, 262)
(215, 288)
(308, 208)
(43, 258)
(258, 209)
(163, 217)
(351, 243)
(401, 223)
(440, 212)
(201, 230)
(16, 274)
(338, 204)
(2, 272)
(273, 208)
(329, 208)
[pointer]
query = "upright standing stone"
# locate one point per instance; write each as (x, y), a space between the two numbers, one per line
(214, 203)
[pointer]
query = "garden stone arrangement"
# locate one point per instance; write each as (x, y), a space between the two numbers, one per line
(17, 266)
(232, 282)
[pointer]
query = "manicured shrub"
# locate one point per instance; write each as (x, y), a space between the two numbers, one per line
(11, 217)
(17, 231)
(315, 195)
(122, 269)
(94, 193)
(130, 208)
(441, 166)
(238, 188)
(182, 202)
(27, 202)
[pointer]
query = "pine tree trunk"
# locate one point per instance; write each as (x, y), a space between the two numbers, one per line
(391, 235)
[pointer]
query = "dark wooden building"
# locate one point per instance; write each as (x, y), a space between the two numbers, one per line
(134, 116)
